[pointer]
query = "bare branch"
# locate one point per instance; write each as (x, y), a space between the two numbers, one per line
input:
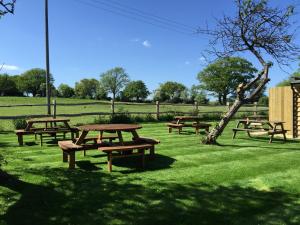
(7, 7)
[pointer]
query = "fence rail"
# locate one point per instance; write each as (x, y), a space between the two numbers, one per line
(157, 106)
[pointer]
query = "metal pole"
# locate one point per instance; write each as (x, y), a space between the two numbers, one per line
(47, 61)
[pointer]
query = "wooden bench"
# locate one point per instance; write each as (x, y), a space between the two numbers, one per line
(121, 149)
(145, 140)
(175, 126)
(69, 148)
(54, 131)
(40, 131)
(197, 126)
(96, 139)
(270, 132)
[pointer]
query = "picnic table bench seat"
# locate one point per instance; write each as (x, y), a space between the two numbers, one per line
(96, 139)
(195, 125)
(175, 126)
(122, 149)
(270, 132)
(69, 148)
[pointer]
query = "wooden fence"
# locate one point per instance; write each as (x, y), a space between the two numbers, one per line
(157, 109)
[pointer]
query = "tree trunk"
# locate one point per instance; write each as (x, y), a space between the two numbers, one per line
(261, 80)
(220, 99)
(217, 131)
(224, 100)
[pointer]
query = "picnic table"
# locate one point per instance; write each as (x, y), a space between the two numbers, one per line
(181, 121)
(46, 126)
(113, 150)
(270, 127)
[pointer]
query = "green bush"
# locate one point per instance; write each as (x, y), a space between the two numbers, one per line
(19, 123)
(101, 120)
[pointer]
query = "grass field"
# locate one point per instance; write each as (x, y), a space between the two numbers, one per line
(241, 181)
(103, 107)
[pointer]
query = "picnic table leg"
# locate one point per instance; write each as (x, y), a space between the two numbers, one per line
(41, 140)
(170, 129)
(72, 160)
(109, 161)
(65, 157)
(143, 158)
(283, 132)
(152, 152)
(20, 139)
(196, 130)
(234, 132)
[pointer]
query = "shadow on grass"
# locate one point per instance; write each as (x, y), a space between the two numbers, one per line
(80, 197)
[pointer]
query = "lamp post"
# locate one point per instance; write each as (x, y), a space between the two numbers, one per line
(47, 60)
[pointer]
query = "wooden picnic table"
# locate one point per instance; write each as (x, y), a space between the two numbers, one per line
(118, 128)
(46, 126)
(271, 127)
(46, 121)
(122, 148)
(181, 122)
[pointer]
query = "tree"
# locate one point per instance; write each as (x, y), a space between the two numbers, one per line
(8, 86)
(136, 90)
(171, 92)
(34, 82)
(7, 7)
(223, 76)
(87, 88)
(287, 82)
(198, 94)
(65, 91)
(262, 30)
(113, 81)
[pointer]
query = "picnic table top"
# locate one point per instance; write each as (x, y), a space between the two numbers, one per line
(260, 121)
(110, 127)
(47, 119)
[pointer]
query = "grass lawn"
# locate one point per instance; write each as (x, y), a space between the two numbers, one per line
(241, 181)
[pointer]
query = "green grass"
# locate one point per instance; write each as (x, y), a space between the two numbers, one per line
(103, 107)
(241, 181)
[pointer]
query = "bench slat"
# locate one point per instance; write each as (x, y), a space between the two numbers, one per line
(125, 147)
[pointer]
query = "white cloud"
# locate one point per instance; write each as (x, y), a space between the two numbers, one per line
(202, 59)
(9, 67)
(147, 44)
(187, 62)
(135, 40)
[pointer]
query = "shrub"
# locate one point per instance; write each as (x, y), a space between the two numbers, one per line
(101, 120)
(19, 123)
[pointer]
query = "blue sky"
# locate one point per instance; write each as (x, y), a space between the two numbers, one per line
(85, 40)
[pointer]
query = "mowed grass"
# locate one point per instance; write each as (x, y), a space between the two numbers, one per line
(241, 181)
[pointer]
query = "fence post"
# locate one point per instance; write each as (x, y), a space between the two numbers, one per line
(54, 108)
(112, 106)
(228, 105)
(196, 107)
(157, 110)
(255, 109)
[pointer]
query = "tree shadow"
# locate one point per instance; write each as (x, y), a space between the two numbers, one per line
(134, 163)
(81, 197)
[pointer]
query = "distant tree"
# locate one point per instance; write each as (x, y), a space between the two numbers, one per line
(223, 76)
(65, 91)
(87, 88)
(114, 80)
(198, 95)
(287, 82)
(34, 82)
(7, 6)
(136, 90)
(264, 31)
(101, 92)
(170, 91)
(8, 86)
